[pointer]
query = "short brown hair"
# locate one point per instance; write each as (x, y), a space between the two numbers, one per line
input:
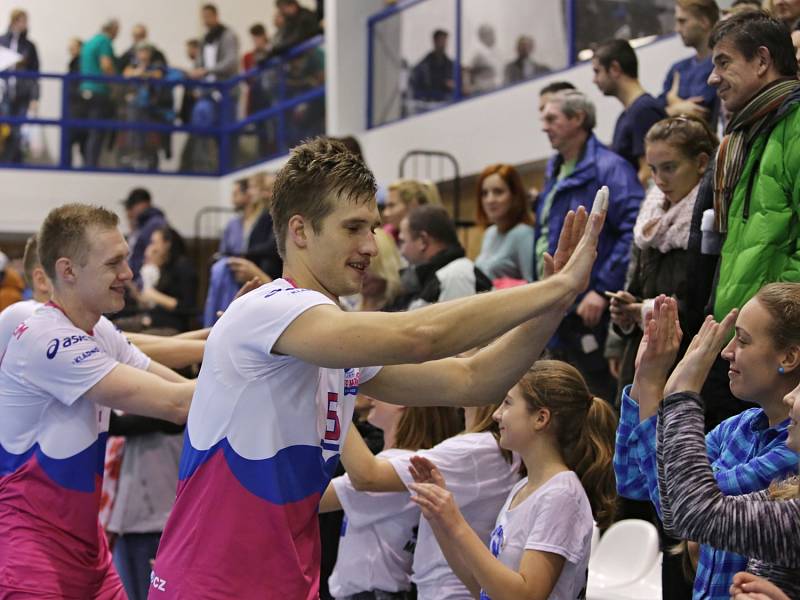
(422, 427)
(63, 233)
(319, 174)
(30, 260)
(518, 211)
(701, 9)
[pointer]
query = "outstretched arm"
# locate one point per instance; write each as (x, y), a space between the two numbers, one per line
(486, 377)
(143, 393)
(339, 340)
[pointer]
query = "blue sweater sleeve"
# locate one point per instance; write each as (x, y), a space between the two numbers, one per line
(631, 482)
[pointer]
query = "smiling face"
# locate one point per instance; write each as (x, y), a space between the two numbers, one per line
(674, 173)
(495, 198)
(100, 282)
(737, 79)
(516, 421)
(753, 357)
(340, 252)
(157, 250)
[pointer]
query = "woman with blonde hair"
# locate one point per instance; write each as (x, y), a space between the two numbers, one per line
(404, 196)
(381, 285)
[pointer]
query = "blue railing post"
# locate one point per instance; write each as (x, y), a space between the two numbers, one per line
(370, 67)
(572, 50)
(457, 95)
(224, 131)
(65, 147)
(280, 137)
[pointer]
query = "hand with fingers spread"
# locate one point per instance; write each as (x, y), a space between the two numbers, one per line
(436, 503)
(571, 232)
(580, 261)
(657, 353)
(692, 371)
(747, 586)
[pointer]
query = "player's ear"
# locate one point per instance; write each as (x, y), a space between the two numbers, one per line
(298, 231)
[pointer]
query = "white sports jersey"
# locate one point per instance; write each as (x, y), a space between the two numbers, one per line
(480, 479)
(11, 316)
(262, 441)
(378, 538)
(52, 448)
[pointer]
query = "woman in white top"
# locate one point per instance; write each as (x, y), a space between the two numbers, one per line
(380, 530)
(540, 545)
(481, 475)
(507, 246)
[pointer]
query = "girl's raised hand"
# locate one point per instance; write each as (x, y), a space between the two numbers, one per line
(692, 371)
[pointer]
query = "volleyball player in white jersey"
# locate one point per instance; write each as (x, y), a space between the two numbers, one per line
(283, 366)
(63, 368)
(41, 288)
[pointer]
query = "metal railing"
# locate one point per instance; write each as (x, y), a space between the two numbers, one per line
(275, 122)
(580, 24)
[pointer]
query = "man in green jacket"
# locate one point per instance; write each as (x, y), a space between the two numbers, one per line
(757, 180)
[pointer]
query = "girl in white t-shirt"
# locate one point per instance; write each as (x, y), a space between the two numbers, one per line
(541, 541)
(380, 530)
(480, 475)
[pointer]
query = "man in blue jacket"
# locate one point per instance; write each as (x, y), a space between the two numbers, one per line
(582, 164)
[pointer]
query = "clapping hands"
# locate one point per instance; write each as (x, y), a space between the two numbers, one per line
(436, 502)
(692, 371)
(657, 352)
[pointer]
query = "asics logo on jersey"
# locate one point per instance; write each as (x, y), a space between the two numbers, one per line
(55, 344)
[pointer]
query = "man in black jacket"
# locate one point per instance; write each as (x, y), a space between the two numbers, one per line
(20, 94)
(429, 242)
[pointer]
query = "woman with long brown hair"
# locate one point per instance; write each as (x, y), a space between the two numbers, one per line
(540, 545)
(506, 249)
(480, 471)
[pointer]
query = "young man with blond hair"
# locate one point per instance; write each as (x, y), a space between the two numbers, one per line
(283, 366)
(63, 370)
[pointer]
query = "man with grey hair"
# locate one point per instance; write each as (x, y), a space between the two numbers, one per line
(582, 164)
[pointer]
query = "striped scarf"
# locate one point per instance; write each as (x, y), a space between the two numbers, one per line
(740, 132)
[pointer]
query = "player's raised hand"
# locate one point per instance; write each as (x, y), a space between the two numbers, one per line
(578, 267)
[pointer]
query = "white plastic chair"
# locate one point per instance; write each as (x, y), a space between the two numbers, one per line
(646, 588)
(626, 553)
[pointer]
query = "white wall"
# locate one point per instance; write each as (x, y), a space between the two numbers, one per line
(27, 195)
(501, 126)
